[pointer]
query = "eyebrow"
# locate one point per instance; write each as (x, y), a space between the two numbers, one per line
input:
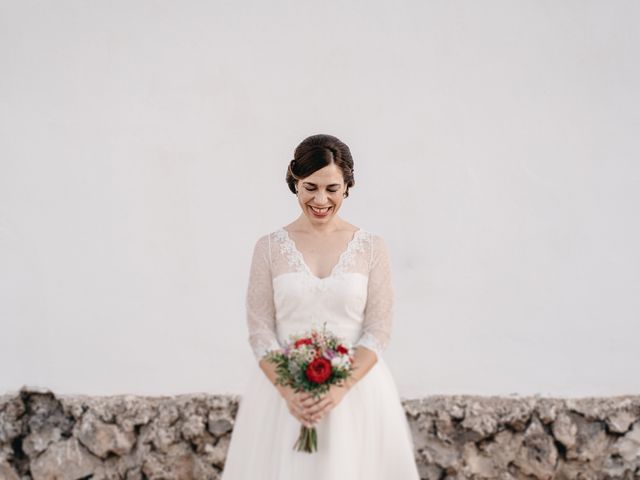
(330, 185)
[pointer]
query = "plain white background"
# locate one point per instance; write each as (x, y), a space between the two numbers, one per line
(143, 150)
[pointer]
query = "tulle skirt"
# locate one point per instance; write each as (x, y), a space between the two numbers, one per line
(365, 437)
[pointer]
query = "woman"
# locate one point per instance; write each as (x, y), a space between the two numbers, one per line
(319, 269)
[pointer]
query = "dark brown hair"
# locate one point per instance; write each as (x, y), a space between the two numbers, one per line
(316, 152)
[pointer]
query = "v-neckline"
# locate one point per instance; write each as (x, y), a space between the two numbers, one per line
(304, 263)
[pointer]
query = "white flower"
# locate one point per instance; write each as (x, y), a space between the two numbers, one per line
(340, 361)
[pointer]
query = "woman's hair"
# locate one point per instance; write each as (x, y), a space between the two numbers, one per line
(316, 152)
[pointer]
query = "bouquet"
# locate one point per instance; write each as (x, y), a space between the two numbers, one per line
(312, 362)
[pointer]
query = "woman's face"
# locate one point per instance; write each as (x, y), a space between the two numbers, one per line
(324, 189)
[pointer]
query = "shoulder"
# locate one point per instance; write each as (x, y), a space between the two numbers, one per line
(373, 239)
(378, 245)
(270, 238)
(376, 239)
(262, 242)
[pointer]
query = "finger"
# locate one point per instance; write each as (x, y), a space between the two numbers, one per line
(318, 407)
(302, 418)
(317, 417)
(303, 397)
(305, 407)
(312, 409)
(325, 408)
(309, 402)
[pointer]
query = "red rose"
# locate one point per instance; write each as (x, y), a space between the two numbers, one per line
(342, 350)
(319, 370)
(302, 341)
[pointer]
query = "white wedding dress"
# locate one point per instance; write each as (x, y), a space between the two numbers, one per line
(366, 436)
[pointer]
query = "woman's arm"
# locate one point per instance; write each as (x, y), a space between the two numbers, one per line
(260, 307)
(379, 309)
(269, 369)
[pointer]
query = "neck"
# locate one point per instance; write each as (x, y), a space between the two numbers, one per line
(304, 224)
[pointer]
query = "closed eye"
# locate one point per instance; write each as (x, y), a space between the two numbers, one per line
(312, 189)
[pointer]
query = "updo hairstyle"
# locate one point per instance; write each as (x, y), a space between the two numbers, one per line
(316, 152)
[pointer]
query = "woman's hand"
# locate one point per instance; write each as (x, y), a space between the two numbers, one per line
(300, 404)
(327, 402)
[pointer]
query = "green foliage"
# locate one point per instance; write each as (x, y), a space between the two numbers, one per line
(301, 383)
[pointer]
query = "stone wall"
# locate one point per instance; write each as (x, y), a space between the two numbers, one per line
(44, 436)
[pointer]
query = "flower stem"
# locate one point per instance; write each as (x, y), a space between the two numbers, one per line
(307, 440)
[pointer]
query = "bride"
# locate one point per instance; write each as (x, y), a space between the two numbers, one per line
(321, 269)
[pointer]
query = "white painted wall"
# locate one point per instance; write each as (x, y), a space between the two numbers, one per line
(143, 150)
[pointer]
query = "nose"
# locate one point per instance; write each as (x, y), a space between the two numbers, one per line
(320, 198)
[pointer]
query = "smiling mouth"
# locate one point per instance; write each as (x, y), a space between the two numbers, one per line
(320, 210)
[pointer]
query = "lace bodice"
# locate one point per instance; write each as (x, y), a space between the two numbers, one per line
(283, 296)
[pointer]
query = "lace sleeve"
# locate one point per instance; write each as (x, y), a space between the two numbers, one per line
(378, 314)
(261, 317)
